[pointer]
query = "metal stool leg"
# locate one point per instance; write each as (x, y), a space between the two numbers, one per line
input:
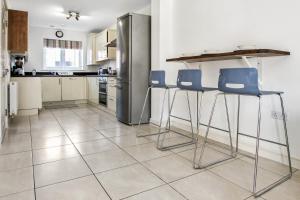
(160, 142)
(284, 178)
(228, 124)
(190, 113)
(160, 145)
(257, 146)
(143, 109)
(238, 124)
(139, 126)
(286, 135)
(198, 165)
(199, 108)
(162, 112)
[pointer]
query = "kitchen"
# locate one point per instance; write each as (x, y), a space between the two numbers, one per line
(93, 82)
(149, 99)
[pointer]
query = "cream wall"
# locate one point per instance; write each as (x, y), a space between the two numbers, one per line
(194, 25)
(35, 44)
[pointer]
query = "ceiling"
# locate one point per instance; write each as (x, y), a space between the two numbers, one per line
(95, 14)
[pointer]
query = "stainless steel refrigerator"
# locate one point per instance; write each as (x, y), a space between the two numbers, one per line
(133, 67)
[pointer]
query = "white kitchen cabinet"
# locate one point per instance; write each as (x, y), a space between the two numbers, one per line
(51, 89)
(29, 95)
(111, 93)
(101, 40)
(91, 49)
(111, 103)
(102, 51)
(73, 88)
(93, 89)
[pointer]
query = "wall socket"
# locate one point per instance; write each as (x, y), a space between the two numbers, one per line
(278, 115)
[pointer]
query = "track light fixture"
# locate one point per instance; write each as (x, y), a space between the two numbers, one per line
(74, 14)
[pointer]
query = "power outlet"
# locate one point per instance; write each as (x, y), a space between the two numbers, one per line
(277, 115)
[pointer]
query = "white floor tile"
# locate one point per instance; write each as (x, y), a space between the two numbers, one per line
(59, 171)
(146, 152)
(27, 195)
(53, 154)
(15, 161)
(86, 188)
(40, 143)
(95, 146)
(171, 168)
(85, 136)
(161, 193)
(15, 181)
(108, 160)
(208, 186)
(127, 181)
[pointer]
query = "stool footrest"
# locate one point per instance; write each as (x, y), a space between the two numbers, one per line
(151, 134)
(265, 140)
(213, 163)
(180, 118)
(268, 188)
(176, 146)
(216, 128)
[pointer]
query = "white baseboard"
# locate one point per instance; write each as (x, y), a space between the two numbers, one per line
(28, 112)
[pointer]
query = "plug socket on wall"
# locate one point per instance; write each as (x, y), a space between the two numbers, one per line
(277, 115)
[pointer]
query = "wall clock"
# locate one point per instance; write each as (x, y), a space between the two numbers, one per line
(59, 34)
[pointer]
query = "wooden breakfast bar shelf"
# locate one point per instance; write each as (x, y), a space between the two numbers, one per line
(238, 54)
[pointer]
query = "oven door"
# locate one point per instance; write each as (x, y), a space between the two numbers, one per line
(102, 88)
(102, 99)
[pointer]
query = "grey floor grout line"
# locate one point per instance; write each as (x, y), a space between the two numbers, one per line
(11, 194)
(86, 162)
(121, 148)
(34, 185)
(138, 162)
(142, 164)
(156, 174)
(64, 181)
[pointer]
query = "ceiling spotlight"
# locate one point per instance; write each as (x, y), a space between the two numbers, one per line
(74, 14)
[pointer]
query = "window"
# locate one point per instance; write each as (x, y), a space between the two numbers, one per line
(62, 55)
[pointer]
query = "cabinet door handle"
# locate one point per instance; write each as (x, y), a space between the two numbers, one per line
(59, 81)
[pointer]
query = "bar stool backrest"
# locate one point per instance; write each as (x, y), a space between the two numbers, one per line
(157, 78)
(239, 81)
(189, 79)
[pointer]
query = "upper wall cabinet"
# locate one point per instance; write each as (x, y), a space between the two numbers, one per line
(102, 39)
(17, 31)
(91, 49)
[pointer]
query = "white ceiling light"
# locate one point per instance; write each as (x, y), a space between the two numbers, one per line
(74, 14)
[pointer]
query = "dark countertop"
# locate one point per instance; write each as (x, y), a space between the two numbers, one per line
(75, 74)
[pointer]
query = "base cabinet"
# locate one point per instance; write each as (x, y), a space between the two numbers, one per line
(93, 89)
(73, 88)
(63, 89)
(111, 94)
(51, 89)
(29, 95)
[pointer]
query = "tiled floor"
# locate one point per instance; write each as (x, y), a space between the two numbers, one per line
(83, 153)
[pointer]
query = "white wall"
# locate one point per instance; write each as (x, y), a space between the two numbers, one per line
(191, 26)
(35, 44)
(145, 10)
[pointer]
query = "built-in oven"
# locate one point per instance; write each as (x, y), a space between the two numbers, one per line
(103, 91)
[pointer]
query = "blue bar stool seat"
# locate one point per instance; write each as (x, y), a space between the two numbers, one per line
(244, 82)
(188, 80)
(156, 81)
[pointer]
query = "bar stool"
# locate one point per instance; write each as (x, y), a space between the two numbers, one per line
(156, 81)
(244, 81)
(188, 80)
